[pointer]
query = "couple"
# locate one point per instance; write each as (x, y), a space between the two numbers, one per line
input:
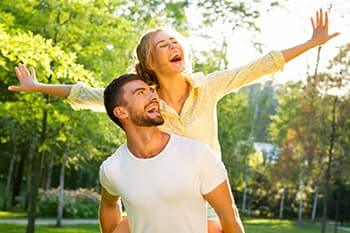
(163, 179)
(187, 101)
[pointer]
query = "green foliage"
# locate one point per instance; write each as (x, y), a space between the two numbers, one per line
(234, 135)
(81, 203)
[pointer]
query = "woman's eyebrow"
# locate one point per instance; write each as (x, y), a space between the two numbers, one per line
(163, 40)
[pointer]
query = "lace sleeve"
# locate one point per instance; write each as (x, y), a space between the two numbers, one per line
(221, 83)
(85, 97)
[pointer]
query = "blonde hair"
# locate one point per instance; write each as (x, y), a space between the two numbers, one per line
(144, 52)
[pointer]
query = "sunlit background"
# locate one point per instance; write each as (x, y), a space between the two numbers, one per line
(281, 27)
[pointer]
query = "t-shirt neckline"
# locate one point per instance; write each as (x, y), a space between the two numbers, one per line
(161, 154)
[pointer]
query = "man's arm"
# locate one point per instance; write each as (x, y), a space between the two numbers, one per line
(221, 199)
(109, 212)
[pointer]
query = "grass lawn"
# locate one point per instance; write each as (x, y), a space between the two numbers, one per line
(9, 228)
(251, 226)
(278, 226)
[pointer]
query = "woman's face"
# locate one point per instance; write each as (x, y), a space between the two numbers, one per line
(167, 54)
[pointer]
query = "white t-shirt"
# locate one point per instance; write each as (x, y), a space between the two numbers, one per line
(164, 193)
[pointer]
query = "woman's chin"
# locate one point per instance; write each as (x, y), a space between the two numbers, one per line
(177, 68)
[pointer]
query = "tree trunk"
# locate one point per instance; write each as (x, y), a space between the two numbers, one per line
(49, 173)
(314, 206)
(336, 213)
(37, 167)
(329, 165)
(60, 201)
(18, 180)
(9, 179)
(282, 203)
(29, 173)
(245, 194)
(300, 210)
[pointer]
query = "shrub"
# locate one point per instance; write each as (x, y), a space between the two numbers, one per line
(81, 203)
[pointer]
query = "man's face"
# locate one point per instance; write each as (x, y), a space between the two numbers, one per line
(142, 104)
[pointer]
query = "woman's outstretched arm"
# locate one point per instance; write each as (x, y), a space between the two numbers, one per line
(221, 83)
(28, 83)
(79, 96)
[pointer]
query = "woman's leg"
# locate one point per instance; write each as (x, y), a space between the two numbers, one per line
(123, 227)
(214, 225)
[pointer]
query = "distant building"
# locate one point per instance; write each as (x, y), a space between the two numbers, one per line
(270, 152)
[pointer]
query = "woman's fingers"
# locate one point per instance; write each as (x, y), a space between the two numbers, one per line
(18, 73)
(313, 23)
(326, 21)
(23, 70)
(32, 73)
(14, 88)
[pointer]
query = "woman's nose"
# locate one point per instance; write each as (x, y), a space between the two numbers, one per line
(171, 45)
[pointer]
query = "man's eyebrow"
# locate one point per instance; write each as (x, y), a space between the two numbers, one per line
(138, 89)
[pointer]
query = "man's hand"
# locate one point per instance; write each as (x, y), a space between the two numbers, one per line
(27, 80)
(320, 29)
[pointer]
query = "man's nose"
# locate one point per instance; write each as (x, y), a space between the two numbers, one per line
(154, 96)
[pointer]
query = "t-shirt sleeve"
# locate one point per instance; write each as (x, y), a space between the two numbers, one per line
(82, 96)
(212, 171)
(106, 181)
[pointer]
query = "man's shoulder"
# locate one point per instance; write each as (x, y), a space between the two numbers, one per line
(115, 157)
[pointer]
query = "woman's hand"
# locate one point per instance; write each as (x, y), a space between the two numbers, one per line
(28, 83)
(320, 33)
(27, 80)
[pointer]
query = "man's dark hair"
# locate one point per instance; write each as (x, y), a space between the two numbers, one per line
(113, 95)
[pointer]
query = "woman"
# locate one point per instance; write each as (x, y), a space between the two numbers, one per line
(188, 101)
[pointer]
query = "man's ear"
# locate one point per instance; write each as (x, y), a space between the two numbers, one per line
(120, 112)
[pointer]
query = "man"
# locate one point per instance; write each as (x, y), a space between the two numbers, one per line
(163, 179)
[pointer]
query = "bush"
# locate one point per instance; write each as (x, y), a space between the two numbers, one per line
(81, 203)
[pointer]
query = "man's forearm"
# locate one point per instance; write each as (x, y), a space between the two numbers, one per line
(231, 222)
(110, 217)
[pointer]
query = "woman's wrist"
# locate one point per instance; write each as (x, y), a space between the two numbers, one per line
(311, 44)
(38, 87)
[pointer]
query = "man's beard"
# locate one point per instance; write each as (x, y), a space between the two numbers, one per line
(144, 120)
